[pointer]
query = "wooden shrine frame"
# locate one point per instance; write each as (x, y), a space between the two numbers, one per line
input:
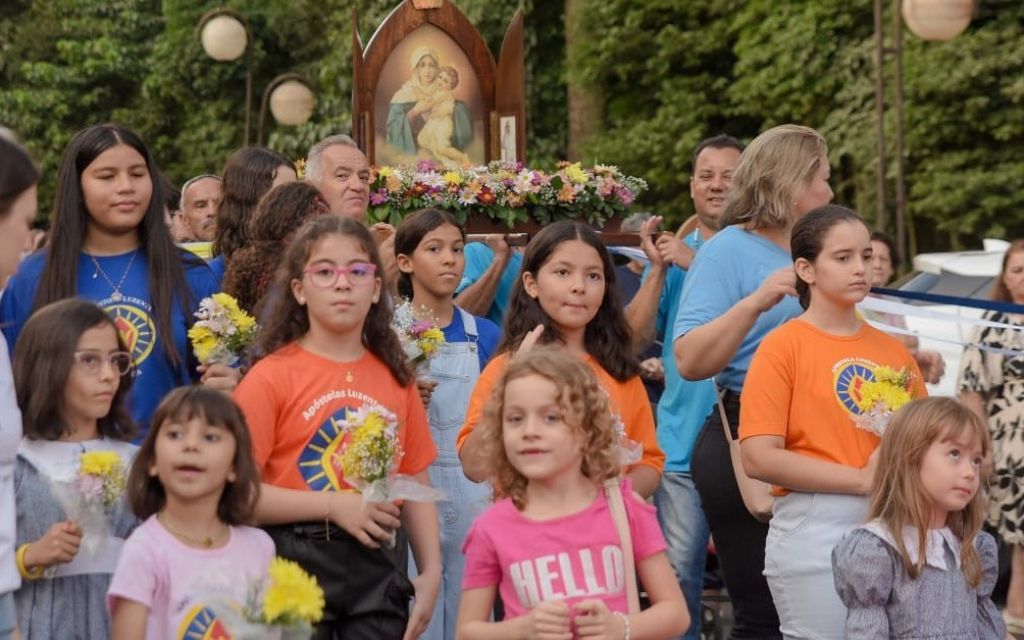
(502, 85)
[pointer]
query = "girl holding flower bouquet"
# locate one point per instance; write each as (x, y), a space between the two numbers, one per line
(331, 380)
(72, 373)
(566, 296)
(561, 542)
(429, 247)
(194, 483)
(817, 390)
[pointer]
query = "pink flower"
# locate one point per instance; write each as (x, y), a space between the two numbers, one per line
(625, 196)
(379, 197)
(424, 166)
(91, 487)
(419, 326)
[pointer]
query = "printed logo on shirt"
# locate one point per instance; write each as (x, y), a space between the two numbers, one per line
(136, 329)
(318, 462)
(200, 623)
(569, 574)
(849, 376)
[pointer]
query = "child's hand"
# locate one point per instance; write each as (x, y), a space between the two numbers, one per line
(530, 339)
(58, 546)
(595, 620)
(370, 523)
(427, 585)
(426, 389)
(219, 376)
(549, 620)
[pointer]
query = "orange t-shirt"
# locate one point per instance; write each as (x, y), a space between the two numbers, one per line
(292, 400)
(628, 399)
(802, 385)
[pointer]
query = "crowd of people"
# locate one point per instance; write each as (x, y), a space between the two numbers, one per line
(569, 492)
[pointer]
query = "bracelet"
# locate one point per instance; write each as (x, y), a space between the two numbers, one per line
(327, 518)
(625, 624)
(19, 559)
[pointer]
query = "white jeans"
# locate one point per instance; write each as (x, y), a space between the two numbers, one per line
(798, 561)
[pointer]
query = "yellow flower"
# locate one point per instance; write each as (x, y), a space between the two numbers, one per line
(452, 178)
(575, 174)
(100, 463)
(204, 342)
(292, 595)
(882, 395)
(430, 340)
(385, 172)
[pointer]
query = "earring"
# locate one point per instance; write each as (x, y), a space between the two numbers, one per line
(152, 471)
(302, 300)
(232, 477)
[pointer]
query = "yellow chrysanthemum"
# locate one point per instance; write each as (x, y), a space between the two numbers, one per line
(430, 340)
(385, 172)
(882, 395)
(100, 463)
(452, 178)
(575, 174)
(292, 595)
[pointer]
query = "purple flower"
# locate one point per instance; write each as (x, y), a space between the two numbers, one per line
(379, 197)
(425, 165)
(91, 487)
(625, 196)
(419, 326)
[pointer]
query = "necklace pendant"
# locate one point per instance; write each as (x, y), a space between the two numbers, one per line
(349, 377)
(116, 296)
(207, 542)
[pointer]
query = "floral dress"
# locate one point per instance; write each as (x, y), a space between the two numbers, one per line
(999, 378)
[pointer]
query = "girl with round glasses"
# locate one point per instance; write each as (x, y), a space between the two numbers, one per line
(327, 350)
(72, 373)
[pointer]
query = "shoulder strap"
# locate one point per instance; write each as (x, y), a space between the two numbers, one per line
(617, 507)
(468, 324)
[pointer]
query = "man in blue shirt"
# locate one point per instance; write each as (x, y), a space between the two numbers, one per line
(685, 405)
(491, 271)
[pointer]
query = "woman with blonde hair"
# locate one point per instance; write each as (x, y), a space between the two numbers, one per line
(742, 287)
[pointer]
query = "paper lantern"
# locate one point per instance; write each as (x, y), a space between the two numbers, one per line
(937, 19)
(224, 37)
(292, 102)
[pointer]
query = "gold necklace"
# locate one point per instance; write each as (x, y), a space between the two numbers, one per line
(117, 296)
(206, 542)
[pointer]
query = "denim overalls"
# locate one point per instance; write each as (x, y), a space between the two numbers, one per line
(455, 368)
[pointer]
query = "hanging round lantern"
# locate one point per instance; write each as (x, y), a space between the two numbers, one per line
(292, 102)
(223, 36)
(937, 19)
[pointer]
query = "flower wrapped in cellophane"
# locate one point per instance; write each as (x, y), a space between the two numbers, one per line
(880, 398)
(369, 460)
(282, 605)
(90, 493)
(223, 330)
(630, 451)
(419, 333)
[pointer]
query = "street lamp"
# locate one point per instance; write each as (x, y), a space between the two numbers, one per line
(290, 99)
(225, 36)
(929, 20)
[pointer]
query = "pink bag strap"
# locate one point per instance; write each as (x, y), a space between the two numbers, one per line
(617, 506)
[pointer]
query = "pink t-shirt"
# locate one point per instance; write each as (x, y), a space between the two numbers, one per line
(174, 580)
(571, 558)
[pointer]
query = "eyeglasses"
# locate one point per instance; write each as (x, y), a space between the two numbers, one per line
(92, 361)
(325, 274)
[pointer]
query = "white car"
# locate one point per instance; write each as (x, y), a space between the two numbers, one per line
(968, 274)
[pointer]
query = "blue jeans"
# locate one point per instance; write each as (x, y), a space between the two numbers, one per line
(686, 534)
(7, 620)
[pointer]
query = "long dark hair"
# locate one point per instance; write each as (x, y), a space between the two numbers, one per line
(43, 359)
(607, 337)
(165, 271)
(410, 234)
(278, 216)
(17, 174)
(808, 238)
(145, 493)
(248, 175)
(288, 321)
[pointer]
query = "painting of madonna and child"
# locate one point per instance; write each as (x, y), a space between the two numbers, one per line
(428, 103)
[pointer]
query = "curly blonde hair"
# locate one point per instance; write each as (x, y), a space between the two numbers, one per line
(587, 412)
(898, 496)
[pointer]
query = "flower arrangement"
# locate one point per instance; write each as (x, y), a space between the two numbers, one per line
(508, 192)
(420, 335)
(223, 331)
(89, 494)
(284, 603)
(882, 397)
(369, 460)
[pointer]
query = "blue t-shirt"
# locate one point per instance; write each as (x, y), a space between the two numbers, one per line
(684, 405)
(155, 374)
(732, 265)
(487, 336)
(478, 257)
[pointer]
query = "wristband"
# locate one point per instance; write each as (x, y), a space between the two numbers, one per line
(19, 559)
(625, 624)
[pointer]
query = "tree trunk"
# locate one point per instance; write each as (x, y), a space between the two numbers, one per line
(585, 104)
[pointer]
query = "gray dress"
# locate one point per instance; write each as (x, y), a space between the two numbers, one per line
(69, 607)
(884, 602)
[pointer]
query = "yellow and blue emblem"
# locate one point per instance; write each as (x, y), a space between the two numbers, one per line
(200, 623)
(319, 463)
(848, 381)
